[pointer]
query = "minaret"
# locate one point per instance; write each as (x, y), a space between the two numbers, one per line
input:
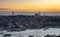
(44, 14)
(39, 12)
(2, 13)
(12, 12)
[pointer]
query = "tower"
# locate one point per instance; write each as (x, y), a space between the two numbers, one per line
(44, 14)
(12, 12)
(39, 12)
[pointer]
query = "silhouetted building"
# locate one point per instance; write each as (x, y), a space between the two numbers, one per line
(12, 12)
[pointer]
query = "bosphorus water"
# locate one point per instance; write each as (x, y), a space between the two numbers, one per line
(34, 32)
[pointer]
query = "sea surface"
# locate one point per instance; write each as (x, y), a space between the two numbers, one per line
(37, 32)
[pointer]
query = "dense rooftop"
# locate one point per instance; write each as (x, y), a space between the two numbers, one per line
(24, 22)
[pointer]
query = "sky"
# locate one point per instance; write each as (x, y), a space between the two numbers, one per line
(30, 5)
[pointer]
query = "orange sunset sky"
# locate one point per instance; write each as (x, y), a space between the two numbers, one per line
(30, 5)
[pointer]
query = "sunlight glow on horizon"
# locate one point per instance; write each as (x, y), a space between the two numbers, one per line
(31, 5)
